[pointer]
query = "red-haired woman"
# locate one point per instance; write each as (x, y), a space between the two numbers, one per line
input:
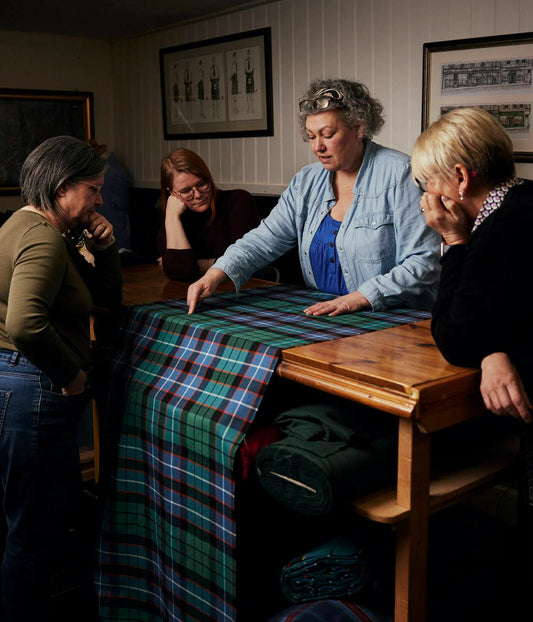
(200, 221)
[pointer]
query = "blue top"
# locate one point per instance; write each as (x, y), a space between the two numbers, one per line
(325, 259)
(386, 251)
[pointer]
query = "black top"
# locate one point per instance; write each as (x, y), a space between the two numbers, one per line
(484, 299)
(236, 214)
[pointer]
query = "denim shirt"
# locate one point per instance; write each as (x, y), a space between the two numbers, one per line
(386, 250)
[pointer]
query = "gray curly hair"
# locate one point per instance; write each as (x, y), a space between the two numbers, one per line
(357, 108)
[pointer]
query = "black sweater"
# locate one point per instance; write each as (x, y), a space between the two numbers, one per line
(484, 299)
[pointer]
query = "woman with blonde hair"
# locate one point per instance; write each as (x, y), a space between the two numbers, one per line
(464, 164)
(200, 220)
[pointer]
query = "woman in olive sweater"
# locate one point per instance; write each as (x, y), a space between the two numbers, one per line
(47, 290)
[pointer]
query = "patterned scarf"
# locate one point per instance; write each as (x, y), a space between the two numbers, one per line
(495, 199)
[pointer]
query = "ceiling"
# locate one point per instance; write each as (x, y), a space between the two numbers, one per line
(109, 19)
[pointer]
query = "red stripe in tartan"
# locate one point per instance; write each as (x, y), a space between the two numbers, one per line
(185, 377)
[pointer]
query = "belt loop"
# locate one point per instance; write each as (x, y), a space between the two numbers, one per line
(14, 359)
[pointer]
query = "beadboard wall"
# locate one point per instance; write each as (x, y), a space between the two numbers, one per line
(378, 42)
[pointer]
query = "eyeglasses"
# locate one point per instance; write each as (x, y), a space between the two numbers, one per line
(322, 100)
(96, 189)
(422, 184)
(188, 193)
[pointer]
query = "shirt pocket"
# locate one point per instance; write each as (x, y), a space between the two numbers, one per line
(4, 400)
(374, 240)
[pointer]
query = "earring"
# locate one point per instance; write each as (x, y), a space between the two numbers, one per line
(461, 195)
(360, 137)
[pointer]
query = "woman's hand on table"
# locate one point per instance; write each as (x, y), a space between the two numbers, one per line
(343, 304)
(446, 217)
(205, 264)
(204, 287)
(502, 389)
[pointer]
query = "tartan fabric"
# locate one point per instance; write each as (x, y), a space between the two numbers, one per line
(187, 388)
(327, 611)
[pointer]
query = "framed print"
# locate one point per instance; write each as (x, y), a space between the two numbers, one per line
(219, 87)
(493, 73)
(28, 117)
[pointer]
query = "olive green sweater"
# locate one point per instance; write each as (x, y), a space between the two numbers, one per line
(47, 290)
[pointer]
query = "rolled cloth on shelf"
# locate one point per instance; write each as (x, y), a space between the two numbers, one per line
(329, 455)
(334, 569)
(326, 611)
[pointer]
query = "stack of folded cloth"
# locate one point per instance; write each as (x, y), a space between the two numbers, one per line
(335, 569)
(327, 611)
(328, 456)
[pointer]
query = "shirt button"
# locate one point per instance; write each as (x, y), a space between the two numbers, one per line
(331, 244)
(332, 260)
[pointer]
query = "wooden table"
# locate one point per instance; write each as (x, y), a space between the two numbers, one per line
(147, 283)
(400, 371)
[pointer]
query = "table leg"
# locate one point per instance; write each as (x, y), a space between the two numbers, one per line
(412, 533)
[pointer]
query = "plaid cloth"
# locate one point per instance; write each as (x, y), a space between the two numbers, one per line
(187, 388)
(327, 611)
(334, 569)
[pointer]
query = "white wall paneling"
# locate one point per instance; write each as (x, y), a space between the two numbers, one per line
(376, 41)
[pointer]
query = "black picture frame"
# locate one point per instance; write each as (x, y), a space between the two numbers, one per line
(218, 88)
(494, 73)
(27, 117)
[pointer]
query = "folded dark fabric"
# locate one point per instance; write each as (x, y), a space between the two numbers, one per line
(327, 457)
(326, 611)
(334, 569)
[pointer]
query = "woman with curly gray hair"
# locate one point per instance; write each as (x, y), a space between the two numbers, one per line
(354, 215)
(357, 108)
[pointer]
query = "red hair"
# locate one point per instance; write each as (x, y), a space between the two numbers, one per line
(185, 161)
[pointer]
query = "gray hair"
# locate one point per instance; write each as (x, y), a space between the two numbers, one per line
(357, 108)
(55, 162)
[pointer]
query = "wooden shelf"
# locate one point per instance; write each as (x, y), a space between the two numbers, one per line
(87, 464)
(447, 486)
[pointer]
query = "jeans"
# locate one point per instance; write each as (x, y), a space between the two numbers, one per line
(40, 483)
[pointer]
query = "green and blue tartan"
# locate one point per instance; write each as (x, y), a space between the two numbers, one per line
(187, 388)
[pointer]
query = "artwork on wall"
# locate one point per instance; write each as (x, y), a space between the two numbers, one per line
(493, 73)
(219, 87)
(28, 117)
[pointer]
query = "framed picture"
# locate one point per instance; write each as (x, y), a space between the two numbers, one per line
(493, 73)
(219, 87)
(28, 117)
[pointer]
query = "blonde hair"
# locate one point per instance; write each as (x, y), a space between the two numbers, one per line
(468, 136)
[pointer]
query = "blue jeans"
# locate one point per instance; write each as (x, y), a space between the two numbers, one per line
(40, 483)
